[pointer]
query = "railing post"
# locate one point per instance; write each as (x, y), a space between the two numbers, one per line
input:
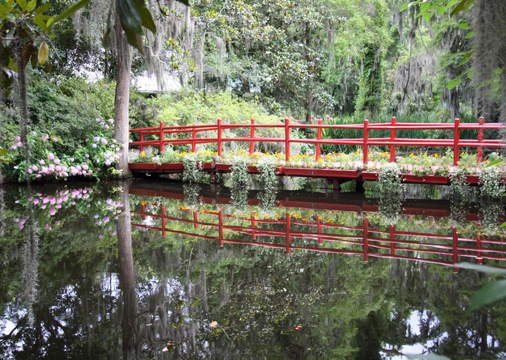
(288, 225)
(366, 140)
(194, 137)
(455, 250)
(195, 219)
(319, 229)
(318, 137)
(287, 139)
(252, 143)
(220, 223)
(479, 257)
(164, 233)
(253, 235)
(143, 211)
(219, 140)
(161, 137)
(365, 234)
(141, 147)
(392, 138)
(392, 238)
(480, 139)
(456, 139)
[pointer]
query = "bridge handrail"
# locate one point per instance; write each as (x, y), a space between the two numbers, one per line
(365, 141)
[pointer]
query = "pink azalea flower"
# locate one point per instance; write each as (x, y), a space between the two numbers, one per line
(56, 161)
(41, 162)
(50, 156)
(52, 211)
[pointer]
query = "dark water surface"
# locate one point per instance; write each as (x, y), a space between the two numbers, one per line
(149, 270)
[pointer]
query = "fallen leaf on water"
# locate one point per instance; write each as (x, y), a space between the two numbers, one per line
(165, 349)
(213, 324)
(170, 344)
(298, 327)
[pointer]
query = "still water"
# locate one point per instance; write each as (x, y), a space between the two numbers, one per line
(148, 270)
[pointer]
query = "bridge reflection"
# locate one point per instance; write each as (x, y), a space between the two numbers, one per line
(365, 237)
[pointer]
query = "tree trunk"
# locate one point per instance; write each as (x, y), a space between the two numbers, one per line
(127, 277)
(121, 101)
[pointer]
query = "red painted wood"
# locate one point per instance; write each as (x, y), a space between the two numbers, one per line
(142, 166)
(334, 173)
(428, 179)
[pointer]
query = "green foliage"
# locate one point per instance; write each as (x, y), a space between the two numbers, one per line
(240, 171)
(490, 179)
(267, 167)
(192, 166)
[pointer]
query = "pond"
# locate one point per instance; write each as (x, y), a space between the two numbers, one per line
(162, 270)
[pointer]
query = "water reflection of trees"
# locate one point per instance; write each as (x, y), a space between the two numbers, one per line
(162, 291)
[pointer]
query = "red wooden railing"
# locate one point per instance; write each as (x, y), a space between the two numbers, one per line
(387, 246)
(456, 143)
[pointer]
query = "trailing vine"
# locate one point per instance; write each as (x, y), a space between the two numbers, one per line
(459, 190)
(458, 181)
(240, 172)
(389, 179)
(267, 201)
(390, 186)
(390, 208)
(191, 196)
(267, 168)
(491, 213)
(490, 179)
(191, 169)
(240, 200)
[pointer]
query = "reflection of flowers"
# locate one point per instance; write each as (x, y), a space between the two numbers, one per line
(191, 195)
(66, 199)
(390, 208)
(267, 202)
(240, 201)
(491, 213)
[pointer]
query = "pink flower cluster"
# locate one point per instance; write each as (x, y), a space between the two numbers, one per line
(55, 202)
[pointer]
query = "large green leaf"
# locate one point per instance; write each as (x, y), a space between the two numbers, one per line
(491, 292)
(463, 5)
(71, 10)
(129, 16)
(453, 83)
(22, 4)
(43, 8)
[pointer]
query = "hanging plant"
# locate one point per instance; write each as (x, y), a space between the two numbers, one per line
(389, 179)
(240, 172)
(191, 196)
(191, 169)
(267, 201)
(490, 179)
(267, 168)
(240, 200)
(458, 181)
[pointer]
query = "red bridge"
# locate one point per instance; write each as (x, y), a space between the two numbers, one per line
(372, 241)
(216, 137)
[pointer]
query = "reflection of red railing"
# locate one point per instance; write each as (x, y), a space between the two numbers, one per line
(387, 246)
(456, 143)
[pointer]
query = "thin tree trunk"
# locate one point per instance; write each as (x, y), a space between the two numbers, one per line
(127, 277)
(121, 101)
